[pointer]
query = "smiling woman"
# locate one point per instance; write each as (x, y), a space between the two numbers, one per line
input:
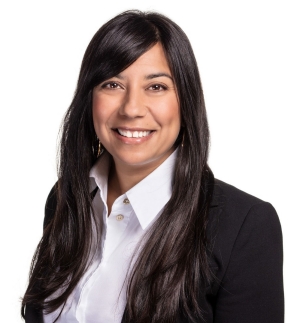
(136, 228)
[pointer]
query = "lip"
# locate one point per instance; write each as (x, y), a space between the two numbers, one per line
(132, 140)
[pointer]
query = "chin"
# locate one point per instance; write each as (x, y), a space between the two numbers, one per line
(134, 160)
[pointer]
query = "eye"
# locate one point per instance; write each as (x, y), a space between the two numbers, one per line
(110, 85)
(157, 87)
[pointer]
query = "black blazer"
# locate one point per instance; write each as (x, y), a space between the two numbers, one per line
(246, 258)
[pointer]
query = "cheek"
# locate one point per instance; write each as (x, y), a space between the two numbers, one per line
(97, 111)
(97, 117)
(169, 114)
(101, 111)
(104, 107)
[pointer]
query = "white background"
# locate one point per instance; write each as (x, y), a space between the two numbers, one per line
(248, 55)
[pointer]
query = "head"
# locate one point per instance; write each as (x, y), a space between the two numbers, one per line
(117, 45)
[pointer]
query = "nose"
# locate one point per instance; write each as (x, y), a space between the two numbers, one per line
(133, 105)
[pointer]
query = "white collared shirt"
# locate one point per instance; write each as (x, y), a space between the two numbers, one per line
(100, 296)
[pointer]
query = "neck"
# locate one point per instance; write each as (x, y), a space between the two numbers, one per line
(121, 180)
(123, 177)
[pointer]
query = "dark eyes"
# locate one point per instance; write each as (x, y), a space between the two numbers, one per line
(110, 85)
(157, 87)
(115, 85)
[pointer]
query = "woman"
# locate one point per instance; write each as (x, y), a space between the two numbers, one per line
(137, 229)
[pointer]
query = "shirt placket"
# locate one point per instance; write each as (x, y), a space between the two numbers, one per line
(116, 225)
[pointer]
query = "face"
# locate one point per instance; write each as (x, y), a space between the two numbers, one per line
(136, 114)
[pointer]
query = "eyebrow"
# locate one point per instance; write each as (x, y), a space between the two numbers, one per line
(119, 76)
(149, 77)
(152, 76)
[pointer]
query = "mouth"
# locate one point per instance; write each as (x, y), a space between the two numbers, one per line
(133, 133)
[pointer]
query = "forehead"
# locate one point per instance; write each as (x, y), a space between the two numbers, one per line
(152, 61)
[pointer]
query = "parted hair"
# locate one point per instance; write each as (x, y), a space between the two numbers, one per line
(172, 266)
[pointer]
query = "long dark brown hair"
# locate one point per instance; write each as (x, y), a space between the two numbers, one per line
(172, 266)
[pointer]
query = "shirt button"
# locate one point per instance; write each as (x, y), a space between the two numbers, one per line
(126, 201)
(120, 217)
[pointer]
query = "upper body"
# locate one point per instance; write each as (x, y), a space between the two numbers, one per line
(245, 257)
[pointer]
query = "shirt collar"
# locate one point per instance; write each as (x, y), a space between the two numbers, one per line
(149, 196)
(99, 174)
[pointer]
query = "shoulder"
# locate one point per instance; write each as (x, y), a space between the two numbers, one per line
(246, 255)
(233, 195)
(231, 208)
(237, 205)
(240, 221)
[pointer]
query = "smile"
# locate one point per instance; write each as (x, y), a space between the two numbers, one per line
(133, 134)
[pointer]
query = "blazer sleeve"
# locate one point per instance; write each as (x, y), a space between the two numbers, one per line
(252, 286)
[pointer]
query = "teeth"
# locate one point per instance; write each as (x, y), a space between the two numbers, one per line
(134, 134)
